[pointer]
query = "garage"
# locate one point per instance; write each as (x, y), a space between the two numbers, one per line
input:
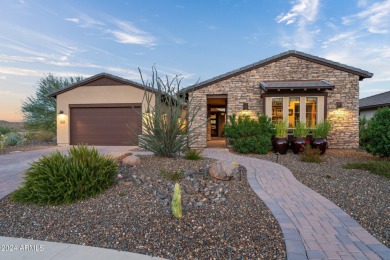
(115, 124)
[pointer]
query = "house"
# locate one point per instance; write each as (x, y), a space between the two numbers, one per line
(369, 105)
(101, 110)
(291, 86)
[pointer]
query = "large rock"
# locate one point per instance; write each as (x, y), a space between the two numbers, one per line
(118, 156)
(222, 170)
(131, 160)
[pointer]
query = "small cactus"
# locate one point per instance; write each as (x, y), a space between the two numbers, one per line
(176, 202)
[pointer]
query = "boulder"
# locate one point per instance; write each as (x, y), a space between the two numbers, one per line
(118, 156)
(222, 170)
(131, 160)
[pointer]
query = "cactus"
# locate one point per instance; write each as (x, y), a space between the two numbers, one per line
(176, 202)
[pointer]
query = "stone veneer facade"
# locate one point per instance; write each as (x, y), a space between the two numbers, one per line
(244, 87)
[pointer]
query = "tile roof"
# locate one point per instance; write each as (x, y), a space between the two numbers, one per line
(382, 99)
(362, 73)
(309, 84)
(96, 77)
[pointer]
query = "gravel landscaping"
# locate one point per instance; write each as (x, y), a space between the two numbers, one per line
(362, 195)
(221, 220)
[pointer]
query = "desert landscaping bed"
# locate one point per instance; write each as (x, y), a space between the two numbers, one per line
(221, 220)
(25, 148)
(364, 196)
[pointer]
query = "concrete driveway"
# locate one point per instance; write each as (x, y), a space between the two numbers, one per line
(12, 166)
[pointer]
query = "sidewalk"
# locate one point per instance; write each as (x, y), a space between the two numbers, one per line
(42, 250)
(313, 227)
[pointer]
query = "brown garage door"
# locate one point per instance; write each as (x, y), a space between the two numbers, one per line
(105, 125)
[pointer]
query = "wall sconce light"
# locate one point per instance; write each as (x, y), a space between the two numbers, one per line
(339, 104)
(61, 112)
(245, 106)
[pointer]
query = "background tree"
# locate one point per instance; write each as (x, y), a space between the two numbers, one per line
(377, 134)
(170, 119)
(39, 111)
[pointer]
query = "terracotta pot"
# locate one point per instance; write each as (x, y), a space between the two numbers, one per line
(298, 144)
(319, 143)
(280, 145)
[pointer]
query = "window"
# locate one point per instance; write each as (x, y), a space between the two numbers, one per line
(294, 109)
(277, 109)
(311, 111)
(308, 109)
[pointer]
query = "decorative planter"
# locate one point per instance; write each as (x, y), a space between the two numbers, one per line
(298, 144)
(319, 143)
(280, 145)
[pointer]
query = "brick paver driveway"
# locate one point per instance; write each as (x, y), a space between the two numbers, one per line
(313, 227)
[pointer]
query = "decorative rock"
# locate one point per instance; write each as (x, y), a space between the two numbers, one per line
(131, 160)
(118, 156)
(223, 170)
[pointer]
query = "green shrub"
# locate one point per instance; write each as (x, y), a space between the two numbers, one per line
(248, 135)
(363, 131)
(2, 145)
(192, 155)
(300, 130)
(5, 130)
(310, 155)
(57, 179)
(40, 136)
(12, 139)
(281, 129)
(376, 167)
(173, 176)
(377, 134)
(322, 129)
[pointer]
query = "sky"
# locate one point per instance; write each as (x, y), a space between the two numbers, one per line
(195, 39)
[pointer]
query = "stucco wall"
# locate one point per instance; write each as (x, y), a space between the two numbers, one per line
(245, 88)
(93, 95)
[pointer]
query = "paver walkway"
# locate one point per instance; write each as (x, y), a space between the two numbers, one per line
(313, 227)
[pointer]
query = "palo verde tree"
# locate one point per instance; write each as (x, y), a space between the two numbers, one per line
(169, 119)
(39, 111)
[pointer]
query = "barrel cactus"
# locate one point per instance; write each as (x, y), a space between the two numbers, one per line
(176, 202)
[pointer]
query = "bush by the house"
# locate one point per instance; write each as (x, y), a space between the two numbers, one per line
(57, 179)
(13, 138)
(310, 155)
(376, 167)
(4, 130)
(40, 137)
(363, 131)
(192, 155)
(377, 135)
(248, 135)
(170, 117)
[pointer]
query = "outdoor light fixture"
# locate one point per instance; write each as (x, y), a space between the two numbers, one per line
(61, 112)
(339, 104)
(245, 106)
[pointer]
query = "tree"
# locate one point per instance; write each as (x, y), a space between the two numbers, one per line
(39, 111)
(377, 134)
(169, 121)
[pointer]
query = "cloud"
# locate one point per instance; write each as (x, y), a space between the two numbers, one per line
(38, 73)
(303, 13)
(74, 20)
(127, 33)
(3, 77)
(374, 18)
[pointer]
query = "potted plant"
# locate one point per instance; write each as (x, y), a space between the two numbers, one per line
(320, 134)
(299, 140)
(280, 142)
